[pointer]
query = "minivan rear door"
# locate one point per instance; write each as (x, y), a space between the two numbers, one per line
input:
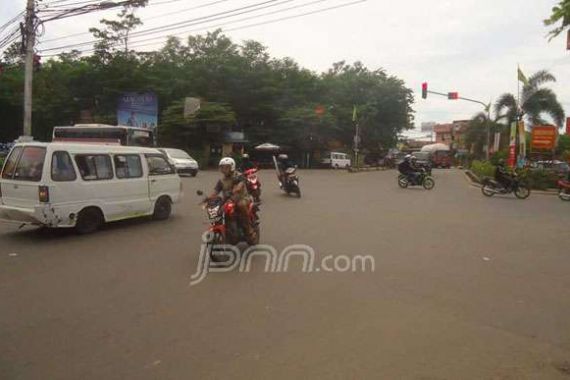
(21, 176)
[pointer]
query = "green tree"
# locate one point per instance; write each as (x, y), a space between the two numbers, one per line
(560, 14)
(536, 100)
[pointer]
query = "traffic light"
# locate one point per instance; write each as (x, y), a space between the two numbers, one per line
(424, 90)
(453, 95)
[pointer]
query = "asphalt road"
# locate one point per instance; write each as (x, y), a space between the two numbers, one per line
(463, 287)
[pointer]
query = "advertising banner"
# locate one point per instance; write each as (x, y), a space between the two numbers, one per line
(138, 110)
(544, 137)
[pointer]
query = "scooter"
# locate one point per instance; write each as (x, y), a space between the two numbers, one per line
(564, 189)
(253, 184)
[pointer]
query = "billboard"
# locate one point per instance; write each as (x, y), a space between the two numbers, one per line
(138, 110)
(544, 137)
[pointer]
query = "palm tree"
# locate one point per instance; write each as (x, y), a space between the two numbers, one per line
(535, 101)
(476, 133)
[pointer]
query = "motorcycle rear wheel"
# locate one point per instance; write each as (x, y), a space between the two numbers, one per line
(522, 192)
(564, 194)
(403, 182)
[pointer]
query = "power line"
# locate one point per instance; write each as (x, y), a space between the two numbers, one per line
(191, 22)
(297, 16)
(151, 18)
(321, 10)
(232, 22)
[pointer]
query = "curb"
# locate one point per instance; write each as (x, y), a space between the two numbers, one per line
(369, 169)
(474, 181)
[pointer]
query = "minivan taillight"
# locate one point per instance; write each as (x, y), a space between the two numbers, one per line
(43, 192)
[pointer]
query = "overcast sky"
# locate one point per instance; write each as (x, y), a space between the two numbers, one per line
(469, 46)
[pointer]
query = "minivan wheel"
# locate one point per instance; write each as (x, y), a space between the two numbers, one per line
(162, 209)
(88, 221)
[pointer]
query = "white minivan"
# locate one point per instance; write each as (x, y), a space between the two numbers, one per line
(336, 160)
(83, 186)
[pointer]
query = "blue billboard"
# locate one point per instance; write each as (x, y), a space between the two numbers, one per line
(138, 110)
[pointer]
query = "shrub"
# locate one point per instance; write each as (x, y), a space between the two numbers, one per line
(540, 179)
(483, 168)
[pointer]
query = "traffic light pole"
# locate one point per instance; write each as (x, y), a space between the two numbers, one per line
(30, 36)
(487, 108)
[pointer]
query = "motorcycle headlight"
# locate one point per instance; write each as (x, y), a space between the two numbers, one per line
(214, 212)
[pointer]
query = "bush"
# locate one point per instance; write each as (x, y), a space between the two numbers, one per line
(483, 168)
(540, 179)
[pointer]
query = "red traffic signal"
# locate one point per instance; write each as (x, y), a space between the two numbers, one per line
(453, 95)
(424, 90)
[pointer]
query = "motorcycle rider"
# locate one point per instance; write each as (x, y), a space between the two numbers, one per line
(502, 175)
(246, 163)
(409, 168)
(232, 186)
(283, 163)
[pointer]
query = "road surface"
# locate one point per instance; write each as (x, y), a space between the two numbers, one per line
(463, 287)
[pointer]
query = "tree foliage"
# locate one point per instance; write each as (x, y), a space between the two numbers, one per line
(535, 102)
(560, 14)
(270, 99)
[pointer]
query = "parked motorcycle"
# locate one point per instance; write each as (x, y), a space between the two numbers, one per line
(253, 184)
(564, 189)
(422, 179)
(290, 182)
(224, 224)
(491, 187)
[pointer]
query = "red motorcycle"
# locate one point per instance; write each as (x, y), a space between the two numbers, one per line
(253, 185)
(224, 224)
(564, 189)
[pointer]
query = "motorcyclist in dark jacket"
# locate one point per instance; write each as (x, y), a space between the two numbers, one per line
(409, 168)
(502, 175)
(283, 163)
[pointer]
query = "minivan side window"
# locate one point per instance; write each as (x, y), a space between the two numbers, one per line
(31, 164)
(11, 162)
(128, 166)
(62, 167)
(94, 167)
(157, 165)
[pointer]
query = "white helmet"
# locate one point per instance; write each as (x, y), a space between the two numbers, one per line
(245, 155)
(228, 161)
(408, 157)
(283, 157)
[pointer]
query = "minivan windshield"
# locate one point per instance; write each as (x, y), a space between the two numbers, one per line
(178, 153)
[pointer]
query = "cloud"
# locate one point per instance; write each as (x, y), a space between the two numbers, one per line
(469, 46)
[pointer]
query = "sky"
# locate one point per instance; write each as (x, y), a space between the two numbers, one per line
(469, 46)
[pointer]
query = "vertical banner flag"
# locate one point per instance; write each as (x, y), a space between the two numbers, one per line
(138, 110)
(512, 145)
(522, 140)
(568, 126)
(497, 142)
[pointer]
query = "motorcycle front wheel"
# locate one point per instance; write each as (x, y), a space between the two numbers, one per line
(488, 190)
(564, 194)
(522, 192)
(215, 256)
(429, 183)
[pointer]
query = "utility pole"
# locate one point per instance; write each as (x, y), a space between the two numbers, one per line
(29, 40)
